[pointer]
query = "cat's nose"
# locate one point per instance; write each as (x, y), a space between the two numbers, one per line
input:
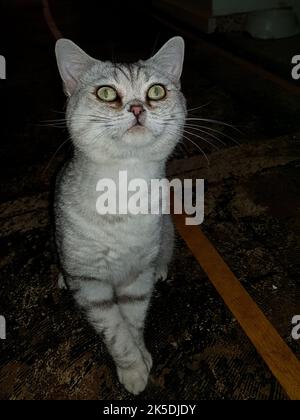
(136, 109)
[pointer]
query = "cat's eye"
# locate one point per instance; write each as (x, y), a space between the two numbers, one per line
(107, 94)
(156, 92)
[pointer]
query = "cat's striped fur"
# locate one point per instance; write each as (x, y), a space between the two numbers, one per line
(111, 262)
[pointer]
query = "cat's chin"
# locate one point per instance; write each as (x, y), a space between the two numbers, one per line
(137, 129)
(137, 135)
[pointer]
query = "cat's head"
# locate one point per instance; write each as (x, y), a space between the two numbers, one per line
(124, 110)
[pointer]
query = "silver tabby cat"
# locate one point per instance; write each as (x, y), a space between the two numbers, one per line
(120, 117)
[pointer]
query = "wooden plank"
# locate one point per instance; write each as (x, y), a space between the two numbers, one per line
(275, 352)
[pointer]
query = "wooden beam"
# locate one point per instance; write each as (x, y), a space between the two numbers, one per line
(272, 348)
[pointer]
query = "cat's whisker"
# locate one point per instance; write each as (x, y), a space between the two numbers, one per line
(204, 129)
(196, 128)
(181, 113)
(213, 122)
(91, 115)
(64, 123)
(191, 141)
(65, 127)
(82, 117)
(208, 120)
(69, 139)
(81, 120)
(214, 130)
(194, 125)
(93, 141)
(189, 110)
(202, 138)
(199, 107)
(53, 156)
(212, 136)
(198, 147)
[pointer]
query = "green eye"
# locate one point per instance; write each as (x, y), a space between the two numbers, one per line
(107, 94)
(156, 92)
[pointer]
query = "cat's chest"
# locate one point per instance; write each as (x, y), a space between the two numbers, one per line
(129, 245)
(118, 196)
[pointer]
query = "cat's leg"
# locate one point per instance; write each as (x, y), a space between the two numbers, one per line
(166, 248)
(98, 300)
(133, 300)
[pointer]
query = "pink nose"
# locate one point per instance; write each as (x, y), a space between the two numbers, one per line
(136, 109)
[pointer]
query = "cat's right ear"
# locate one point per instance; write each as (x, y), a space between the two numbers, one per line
(72, 61)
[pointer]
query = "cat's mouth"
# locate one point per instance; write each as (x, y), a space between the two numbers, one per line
(136, 126)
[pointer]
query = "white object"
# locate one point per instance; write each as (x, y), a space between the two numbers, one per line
(272, 24)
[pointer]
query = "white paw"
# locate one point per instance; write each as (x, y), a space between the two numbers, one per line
(61, 282)
(162, 274)
(134, 379)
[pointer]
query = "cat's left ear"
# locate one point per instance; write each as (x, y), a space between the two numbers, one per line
(170, 58)
(72, 61)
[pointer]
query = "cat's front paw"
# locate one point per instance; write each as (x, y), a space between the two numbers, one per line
(135, 378)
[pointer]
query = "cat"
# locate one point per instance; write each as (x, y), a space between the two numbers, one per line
(120, 117)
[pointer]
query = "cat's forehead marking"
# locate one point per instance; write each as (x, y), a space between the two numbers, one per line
(130, 79)
(131, 72)
(119, 69)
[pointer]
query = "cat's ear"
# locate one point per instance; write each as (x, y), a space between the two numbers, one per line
(72, 61)
(170, 57)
